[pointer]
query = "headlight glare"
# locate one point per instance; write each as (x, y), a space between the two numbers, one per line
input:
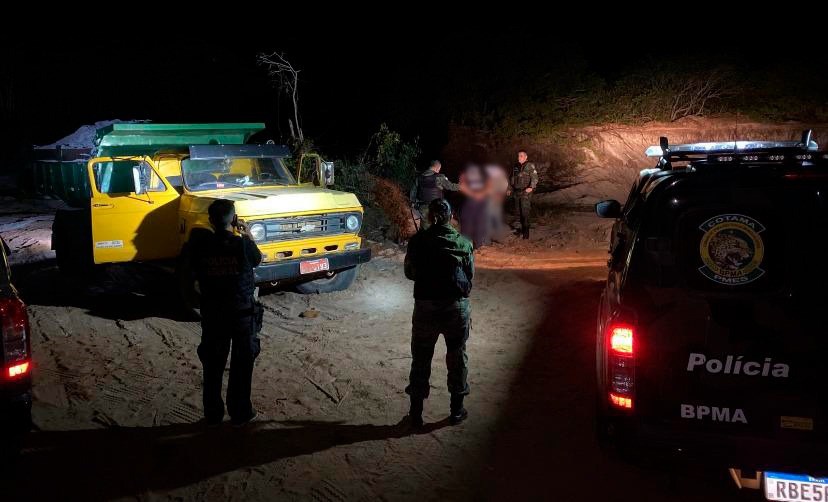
(257, 231)
(352, 222)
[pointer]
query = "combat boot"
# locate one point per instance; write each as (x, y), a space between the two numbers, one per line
(415, 413)
(458, 412)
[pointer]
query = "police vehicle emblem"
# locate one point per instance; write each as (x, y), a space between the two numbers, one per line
(732, 249)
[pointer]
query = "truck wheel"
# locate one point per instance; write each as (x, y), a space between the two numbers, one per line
(64, 261)
(71, 258)
(188, 291)
(72, 242)
(340, 281)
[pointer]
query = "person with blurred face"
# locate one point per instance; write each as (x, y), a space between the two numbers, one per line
(474, 222)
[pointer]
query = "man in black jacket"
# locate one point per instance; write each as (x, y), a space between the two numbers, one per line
(441, 264)
(428, 186)
(224, 263)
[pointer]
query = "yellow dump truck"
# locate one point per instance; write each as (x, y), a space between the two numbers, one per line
(141, 193)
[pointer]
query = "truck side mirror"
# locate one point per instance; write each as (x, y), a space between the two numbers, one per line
(326, 173)
(608, 209)
(140, 187)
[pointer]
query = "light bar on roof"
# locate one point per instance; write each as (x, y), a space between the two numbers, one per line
(727, 147)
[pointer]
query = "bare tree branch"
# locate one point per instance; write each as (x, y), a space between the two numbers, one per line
(693, 96)
(286, 77)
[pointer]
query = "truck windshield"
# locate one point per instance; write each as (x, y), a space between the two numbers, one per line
(234, 172)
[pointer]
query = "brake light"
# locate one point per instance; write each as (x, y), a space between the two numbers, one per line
(621, 401)
(18, 369)
(14, 325)
(621, 364)
(621, 340)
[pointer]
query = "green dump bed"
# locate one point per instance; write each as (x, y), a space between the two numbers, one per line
(59, 170)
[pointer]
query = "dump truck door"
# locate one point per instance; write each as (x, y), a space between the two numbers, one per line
(134, 211)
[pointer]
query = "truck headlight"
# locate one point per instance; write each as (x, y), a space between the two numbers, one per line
(257, 231)
(352, 222)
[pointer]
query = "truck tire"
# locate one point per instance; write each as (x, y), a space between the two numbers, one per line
(72, 242)
(340, 281)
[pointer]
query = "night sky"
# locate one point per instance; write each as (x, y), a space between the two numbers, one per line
(355, 76)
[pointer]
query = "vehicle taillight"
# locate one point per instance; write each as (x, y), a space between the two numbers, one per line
(621, 401)
(14, 324)
(621, 364)
(621, 340)
(18, 370)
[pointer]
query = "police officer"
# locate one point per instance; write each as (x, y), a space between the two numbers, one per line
(441, 264)
(428, 186)
(223, 263)
(523, 183)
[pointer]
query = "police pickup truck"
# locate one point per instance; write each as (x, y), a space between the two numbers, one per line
(712, 331)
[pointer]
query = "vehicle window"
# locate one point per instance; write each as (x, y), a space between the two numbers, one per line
(633, 206)
(5, 277)
(126, 176)
(235, 172)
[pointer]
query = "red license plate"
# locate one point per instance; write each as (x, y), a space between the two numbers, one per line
(311, 266)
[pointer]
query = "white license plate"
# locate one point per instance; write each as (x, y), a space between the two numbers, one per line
(311, 266)
(795, 487)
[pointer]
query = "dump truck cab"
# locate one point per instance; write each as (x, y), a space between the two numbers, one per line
(149, 187)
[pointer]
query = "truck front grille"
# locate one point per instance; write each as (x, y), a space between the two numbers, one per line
(301, 227)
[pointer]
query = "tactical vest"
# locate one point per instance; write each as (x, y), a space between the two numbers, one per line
(225, 276)
(427, 189)
(521, 179)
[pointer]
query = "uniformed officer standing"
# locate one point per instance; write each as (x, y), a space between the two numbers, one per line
(223, 263)
(441, 264)
(523, 183)
(428, 186)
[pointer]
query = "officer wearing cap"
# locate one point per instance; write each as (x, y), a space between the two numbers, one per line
(441, 264)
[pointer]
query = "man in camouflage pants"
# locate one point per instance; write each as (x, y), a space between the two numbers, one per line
(441, 264)
(428, 186)
(523, 183)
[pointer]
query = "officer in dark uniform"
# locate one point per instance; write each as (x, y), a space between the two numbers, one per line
(523, 183)
(223, 263)
(428, 186)
(441, 264)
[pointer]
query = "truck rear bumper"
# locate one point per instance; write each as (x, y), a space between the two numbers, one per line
(800, 456)
(289, 269)
(15, 411)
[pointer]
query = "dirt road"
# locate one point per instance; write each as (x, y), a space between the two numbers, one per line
(117, 394)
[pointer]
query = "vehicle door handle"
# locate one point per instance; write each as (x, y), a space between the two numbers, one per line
(104, 206)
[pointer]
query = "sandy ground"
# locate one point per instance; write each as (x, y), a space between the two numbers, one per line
(117, 391)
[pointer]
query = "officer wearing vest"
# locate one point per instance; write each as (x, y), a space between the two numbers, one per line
(523, 183)
(441, 264)
(428, 186)
(230, 315)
